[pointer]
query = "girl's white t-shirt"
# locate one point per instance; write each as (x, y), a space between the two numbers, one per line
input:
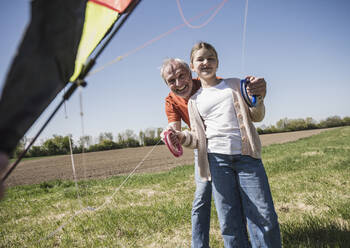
(215, 105)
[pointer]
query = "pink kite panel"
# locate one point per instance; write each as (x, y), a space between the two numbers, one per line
(117, 5)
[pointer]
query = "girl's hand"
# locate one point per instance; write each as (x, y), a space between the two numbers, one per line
(180, 136)
(176, 138)
(257, 86)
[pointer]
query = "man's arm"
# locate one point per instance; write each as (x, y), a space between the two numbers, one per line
(176, 125)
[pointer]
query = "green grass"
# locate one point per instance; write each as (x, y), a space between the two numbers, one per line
(309, 178)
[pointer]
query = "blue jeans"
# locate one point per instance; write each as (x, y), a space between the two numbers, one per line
(242, 198)
(201, 210)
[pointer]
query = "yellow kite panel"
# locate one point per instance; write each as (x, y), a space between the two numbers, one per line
(98, 20)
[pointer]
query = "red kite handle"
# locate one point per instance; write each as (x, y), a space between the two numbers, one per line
(175, 149)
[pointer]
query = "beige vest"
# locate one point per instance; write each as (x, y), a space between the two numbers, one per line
(251, 144)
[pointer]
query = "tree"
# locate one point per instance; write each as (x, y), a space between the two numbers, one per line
(282, 123)
(85, 141)
(142, 138)
(296, 125)
(131, 142)
(107, 145)
(159, 131)
(333, 121)
(20, 147)
(57, 145)
(129, 134)
(150, 137)
(271, 129)
(310, 123)
(36, 151)
(150, 133)
(128, 139)
(346, 121)
(105, 136)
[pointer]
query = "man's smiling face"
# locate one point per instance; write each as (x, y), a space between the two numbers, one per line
(179, 80)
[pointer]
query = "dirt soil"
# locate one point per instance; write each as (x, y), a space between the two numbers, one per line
(116, 162)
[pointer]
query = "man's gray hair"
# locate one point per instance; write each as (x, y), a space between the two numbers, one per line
(173, 61)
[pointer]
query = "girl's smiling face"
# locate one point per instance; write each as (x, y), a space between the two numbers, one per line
(204, 63)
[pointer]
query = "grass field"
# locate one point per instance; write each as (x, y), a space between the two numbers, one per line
(309, 178)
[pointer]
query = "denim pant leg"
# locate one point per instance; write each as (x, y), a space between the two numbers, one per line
(201, 210)
(226, 195)
(257, 203)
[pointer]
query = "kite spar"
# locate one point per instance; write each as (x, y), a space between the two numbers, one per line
(99, 20)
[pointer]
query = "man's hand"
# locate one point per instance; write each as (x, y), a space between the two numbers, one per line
(180, 136)
(256, 87)
(175, 126)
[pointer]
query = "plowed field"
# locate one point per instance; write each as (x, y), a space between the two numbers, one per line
(116, 162)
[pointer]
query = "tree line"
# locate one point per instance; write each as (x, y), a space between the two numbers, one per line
(289, 125)
(60, 145)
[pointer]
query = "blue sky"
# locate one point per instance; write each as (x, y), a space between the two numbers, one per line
(301, 48)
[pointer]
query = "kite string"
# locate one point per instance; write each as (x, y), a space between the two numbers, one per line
(82, 129)
(204, 23)
(74, 174)
(72, 157)
(107, 199)
(244, 36)
(156, 38)
(130, 175)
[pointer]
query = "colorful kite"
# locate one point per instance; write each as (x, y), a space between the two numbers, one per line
(54, 51)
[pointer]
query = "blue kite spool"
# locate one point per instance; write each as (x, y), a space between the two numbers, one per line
(250, 102)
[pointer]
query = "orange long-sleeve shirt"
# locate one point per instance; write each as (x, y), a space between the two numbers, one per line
(176, 107)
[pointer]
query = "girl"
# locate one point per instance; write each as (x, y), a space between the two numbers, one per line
(229, 153)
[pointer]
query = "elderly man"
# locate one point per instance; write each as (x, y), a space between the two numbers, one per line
(177, 75)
